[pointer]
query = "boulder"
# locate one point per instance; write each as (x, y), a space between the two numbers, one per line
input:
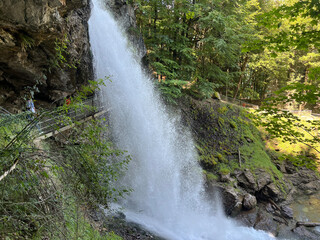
(246, 180)
(305, 234)
(232, 201)
(271, 191)
(263, 179)
(287, 212)
(265, 222)
(249, 202)
(248, 218)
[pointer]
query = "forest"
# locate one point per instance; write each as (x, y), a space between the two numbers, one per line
(245, 49)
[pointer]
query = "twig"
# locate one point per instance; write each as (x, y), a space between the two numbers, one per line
(10, 169)
(308, 224)
(279, 209)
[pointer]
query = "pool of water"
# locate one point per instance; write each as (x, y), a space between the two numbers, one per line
(307, 208)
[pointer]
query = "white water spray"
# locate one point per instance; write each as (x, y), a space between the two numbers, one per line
(164, 174)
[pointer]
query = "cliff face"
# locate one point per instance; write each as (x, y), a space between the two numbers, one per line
(43, 44)
(125, 15)
(45, 47)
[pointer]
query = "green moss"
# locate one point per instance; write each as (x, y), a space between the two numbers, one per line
(210, 176)
(224, 170)
(220, 121)
(226, 132)
(233, 124)
(223, 109)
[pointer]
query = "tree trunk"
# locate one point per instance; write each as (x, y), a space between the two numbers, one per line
(242, 69)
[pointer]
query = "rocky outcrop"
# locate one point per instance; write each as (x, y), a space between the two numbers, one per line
(124, 13)
(44, 49)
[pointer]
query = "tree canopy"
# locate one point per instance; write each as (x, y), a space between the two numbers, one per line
(244, 49)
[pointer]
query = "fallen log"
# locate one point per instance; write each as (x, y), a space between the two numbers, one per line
(308, 224)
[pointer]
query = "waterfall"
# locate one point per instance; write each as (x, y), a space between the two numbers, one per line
(167, 182)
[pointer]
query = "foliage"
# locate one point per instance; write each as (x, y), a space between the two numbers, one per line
(27, 42)
(46, 186)
(195, 41)
(285, 125)
(301, 34)
(63, 58)
(172, 90)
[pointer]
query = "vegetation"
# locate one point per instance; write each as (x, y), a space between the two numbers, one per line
(245, 49)
(229, 141)
(256, 50)
(45, 188)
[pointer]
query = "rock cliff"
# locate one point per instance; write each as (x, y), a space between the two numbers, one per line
(44, 49)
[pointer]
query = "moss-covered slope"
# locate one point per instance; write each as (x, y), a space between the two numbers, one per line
(227, 140)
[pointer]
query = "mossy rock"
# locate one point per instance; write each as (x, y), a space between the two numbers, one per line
(226, 135)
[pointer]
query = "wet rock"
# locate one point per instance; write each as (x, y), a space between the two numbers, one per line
(303, 176)
(249, 202)
(247, 180)
(128, 230)
(270, 208)
(225, 177)
(124, 11)
(271, 191)
(310, 187)
(29, 32)
(306, 234)
(248, 218)
(263, 179)
(287, 212)
(231, 201)
(279, 220)
(265, 222)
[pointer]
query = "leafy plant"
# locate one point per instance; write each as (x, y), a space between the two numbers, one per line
(45, 186)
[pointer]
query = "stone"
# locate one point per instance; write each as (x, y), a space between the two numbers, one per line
(249, 202)
(270, 208)
(271, 191)
(304, 233)
(28, 34)
(125, 12)
(231, 200)
(263, 179)
(248, 218)
(310, 187)
(287, 212)
(225, 177)
(247, 180)
(265, 222)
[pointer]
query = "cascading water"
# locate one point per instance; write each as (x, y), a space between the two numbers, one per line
(167, 185)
